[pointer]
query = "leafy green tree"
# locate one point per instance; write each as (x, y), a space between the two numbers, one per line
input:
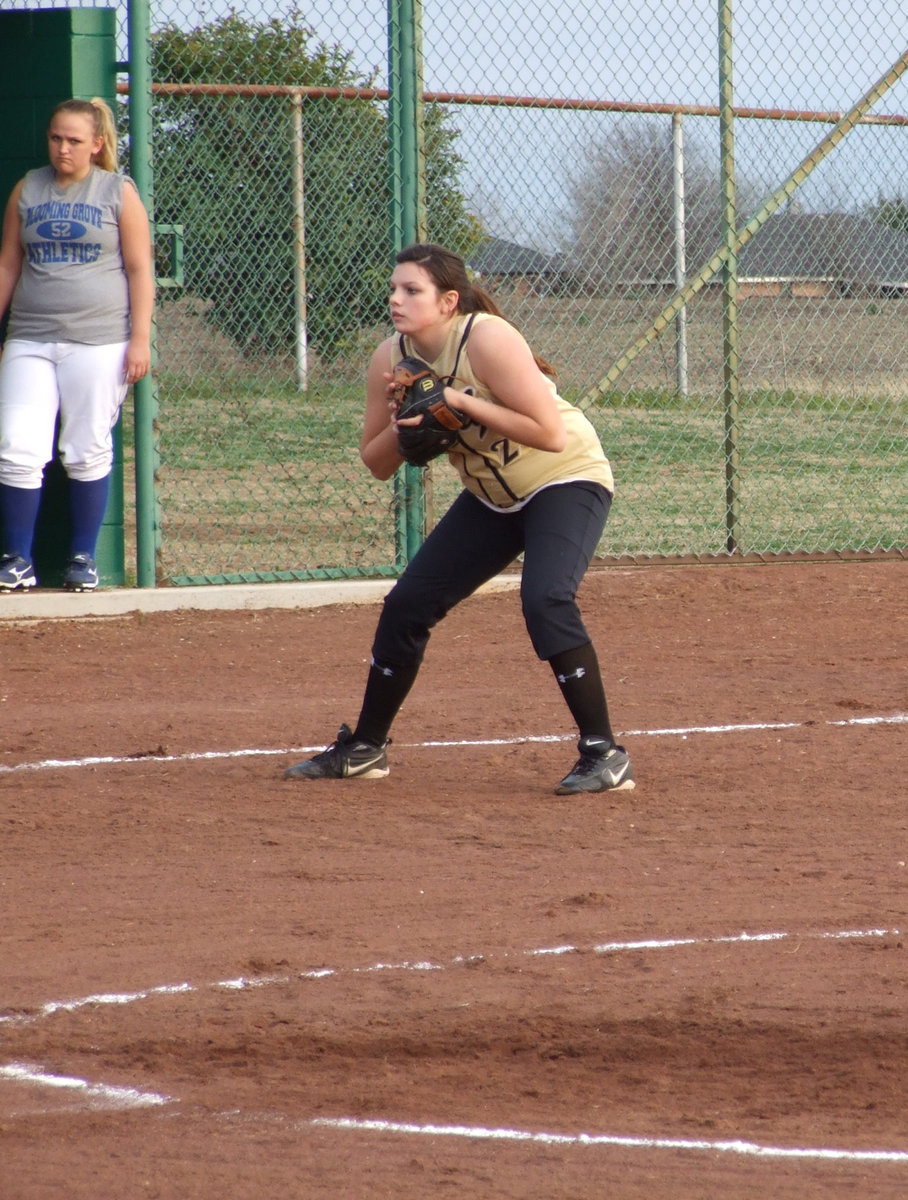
(224, 169)
(891, 211)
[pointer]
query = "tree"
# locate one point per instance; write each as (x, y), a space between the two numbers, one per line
(891, 211)
(621, 208)
(224, 169)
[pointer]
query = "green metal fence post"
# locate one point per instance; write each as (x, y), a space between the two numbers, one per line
(730, 364)
(407, 215)
(145, 391)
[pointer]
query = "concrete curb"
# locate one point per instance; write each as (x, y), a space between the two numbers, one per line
(40, 605)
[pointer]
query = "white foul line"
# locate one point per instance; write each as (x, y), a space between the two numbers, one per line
(245, 983)
(125, 1097)
(130, 1097)
(120, 1097)
(205, 755)
(593, 1139)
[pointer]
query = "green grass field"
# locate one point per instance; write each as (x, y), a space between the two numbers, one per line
(260, 480)
(255, 485)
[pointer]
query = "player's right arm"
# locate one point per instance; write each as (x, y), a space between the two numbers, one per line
(378, 447)
(11, 252)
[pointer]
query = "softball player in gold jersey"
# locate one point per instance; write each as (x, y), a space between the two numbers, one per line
(536, 482)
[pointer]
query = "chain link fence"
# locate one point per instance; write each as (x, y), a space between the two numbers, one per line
(590, 163)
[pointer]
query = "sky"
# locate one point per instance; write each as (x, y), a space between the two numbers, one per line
(792, 54)
(798, 54)
(789, 53)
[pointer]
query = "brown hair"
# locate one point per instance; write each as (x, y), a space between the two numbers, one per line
(448, 272)
(103, 124)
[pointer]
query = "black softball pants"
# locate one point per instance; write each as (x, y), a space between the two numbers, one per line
(557, 532)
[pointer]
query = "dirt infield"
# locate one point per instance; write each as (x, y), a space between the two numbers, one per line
(218, 985)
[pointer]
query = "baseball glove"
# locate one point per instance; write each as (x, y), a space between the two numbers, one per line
(418, 391)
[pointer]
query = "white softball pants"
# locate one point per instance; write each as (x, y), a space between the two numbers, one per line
(86, 385)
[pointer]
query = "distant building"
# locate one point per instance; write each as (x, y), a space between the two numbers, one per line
(793, 254)
(508, 266)
(824, 254)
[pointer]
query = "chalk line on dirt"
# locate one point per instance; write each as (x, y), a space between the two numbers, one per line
(48, 764)
(244, 983)
(107, 1094)
(116, 1097)
(606, 1139)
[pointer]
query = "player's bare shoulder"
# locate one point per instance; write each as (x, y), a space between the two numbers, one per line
(384, 356)
(500, 354)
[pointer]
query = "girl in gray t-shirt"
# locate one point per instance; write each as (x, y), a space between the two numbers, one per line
(76, 275)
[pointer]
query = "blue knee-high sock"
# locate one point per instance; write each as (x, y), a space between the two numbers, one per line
(18, 516)
(87, 505)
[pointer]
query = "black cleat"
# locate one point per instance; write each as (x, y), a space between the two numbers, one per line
(595, 771)
(344, 759)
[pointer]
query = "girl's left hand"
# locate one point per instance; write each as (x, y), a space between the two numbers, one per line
(138, 360)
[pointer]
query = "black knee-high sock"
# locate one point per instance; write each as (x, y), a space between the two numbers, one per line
(386, 690)
(577, 672)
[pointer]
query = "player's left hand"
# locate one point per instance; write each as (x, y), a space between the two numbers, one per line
(138, 360)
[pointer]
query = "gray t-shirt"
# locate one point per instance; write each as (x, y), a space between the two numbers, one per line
(73, 287)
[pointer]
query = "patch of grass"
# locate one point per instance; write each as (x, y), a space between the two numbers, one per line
(269, 479)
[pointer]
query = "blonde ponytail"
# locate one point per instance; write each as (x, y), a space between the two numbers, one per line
(107, 129)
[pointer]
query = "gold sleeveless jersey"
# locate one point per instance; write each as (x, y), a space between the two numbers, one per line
(502, 473)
